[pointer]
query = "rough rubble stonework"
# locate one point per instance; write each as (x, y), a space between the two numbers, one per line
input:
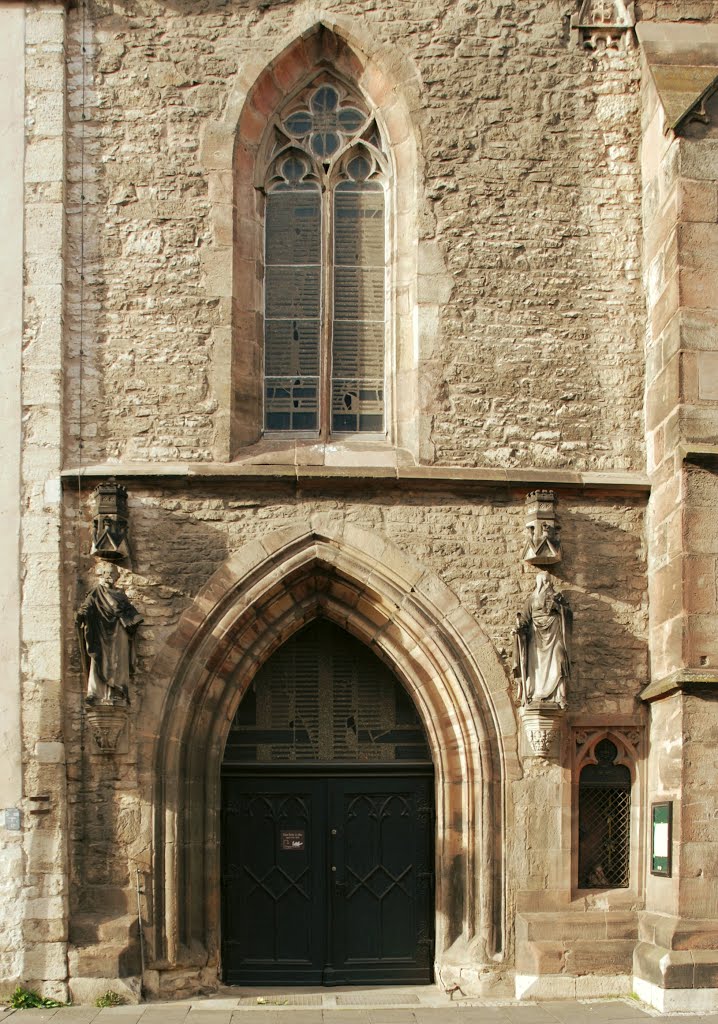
(553, 246)
(528, 194)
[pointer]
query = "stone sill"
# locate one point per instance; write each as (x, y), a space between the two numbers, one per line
(693, 681)
(628, 483)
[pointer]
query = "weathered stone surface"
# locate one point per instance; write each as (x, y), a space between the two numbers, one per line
(483, 135)
(518, 326)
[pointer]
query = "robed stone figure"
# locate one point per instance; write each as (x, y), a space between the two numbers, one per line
(107, 623)
(541, 646)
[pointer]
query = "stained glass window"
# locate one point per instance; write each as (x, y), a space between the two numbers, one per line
(325, 267)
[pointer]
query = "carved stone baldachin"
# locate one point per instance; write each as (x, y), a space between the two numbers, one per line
(543, 545)
(604, 24)
(110, 523)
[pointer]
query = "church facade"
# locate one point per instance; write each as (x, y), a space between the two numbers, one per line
(360, 418)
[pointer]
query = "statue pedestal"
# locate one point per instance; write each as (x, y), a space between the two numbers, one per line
(107, 727)
(541, 731)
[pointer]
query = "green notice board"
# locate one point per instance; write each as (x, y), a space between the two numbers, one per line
(661, 838)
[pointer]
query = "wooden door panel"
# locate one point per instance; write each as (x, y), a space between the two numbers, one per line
(382, 897)
(327, 880)
(274, 907)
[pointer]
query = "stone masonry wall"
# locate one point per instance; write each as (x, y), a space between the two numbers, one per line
(472, 542)
(528, 185)
(12, 86)
(529, 189)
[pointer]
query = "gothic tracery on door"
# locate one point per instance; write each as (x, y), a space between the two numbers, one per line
(327, 823)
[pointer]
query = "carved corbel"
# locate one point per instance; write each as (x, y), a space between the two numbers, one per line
(107, 726)
(543, 544)
(604, 24)
(541, 732)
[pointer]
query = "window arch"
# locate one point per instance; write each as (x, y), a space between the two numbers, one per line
(325, 178)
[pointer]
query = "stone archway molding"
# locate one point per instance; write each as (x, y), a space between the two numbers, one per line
(412, 620)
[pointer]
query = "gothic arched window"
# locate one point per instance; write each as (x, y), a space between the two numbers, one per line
(325, 265)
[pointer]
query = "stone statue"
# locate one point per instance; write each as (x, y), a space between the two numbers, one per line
(541, 646)
(107, 623)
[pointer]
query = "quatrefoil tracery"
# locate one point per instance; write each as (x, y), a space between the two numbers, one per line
(325, 133)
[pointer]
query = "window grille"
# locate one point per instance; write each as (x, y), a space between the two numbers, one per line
(604, 821)
(325, 266)
(324, 696)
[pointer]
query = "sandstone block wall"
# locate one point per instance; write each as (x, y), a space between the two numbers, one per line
(681, 245)
(33, 859)
(12, 59)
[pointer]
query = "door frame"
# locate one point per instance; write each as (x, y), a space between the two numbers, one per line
(265, 591)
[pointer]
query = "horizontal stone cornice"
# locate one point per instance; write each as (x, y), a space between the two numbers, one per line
(463, 478)
(701, 454)
(694, 681)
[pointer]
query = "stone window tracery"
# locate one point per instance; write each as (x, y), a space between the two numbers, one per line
(326, 183)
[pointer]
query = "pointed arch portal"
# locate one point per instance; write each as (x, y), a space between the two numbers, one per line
(327, 822)
(403, 613)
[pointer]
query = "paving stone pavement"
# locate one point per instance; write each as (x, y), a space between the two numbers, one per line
(236, 1011)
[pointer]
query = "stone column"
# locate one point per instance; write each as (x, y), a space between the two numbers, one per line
(676, 960)
(33, 909)
(12, 88)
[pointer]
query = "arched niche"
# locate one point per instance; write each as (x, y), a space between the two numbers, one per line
(628, 742)
(231, 152)
(410, 619)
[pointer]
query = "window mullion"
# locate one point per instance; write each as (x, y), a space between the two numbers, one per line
(327, 313)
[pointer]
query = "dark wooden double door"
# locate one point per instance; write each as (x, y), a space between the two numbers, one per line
(328, 880)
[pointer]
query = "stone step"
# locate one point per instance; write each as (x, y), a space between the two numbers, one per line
(566, 926)
(103, 960)
(575, 957)
(84, 991)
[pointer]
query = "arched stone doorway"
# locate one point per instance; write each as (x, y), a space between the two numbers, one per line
(414, 623)
(327, 822)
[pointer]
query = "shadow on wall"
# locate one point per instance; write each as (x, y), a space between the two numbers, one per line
(177, 545)
(174, 554)
(604, 573)
(210, 7)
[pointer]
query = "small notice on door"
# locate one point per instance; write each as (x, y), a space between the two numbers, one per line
(291, 840)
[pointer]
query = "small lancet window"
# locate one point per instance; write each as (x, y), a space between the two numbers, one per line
(325, 266)
(604, 821)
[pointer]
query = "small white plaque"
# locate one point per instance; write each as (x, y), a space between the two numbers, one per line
(660, 839)
(12, 819)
